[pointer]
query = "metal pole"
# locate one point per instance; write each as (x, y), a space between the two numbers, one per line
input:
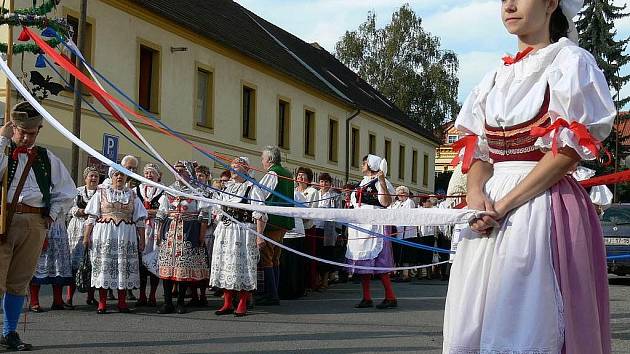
(7, 114)
(615, 198)
(76, 116)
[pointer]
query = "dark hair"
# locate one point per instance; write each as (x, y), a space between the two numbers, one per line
(226, 173)
(307, 171)
(558, 25)
(325, 177)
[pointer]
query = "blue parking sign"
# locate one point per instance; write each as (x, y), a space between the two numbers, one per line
(110, 147)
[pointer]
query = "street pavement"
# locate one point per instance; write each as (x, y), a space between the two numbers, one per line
(319, 323)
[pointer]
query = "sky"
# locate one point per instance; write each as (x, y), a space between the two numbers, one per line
(470, 28)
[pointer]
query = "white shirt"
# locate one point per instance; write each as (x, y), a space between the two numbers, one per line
(63, 189)
(311, 197)
(514, 94)
(404, 232)
(259, 195)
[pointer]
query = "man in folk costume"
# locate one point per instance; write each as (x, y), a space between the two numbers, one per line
(279, 180)
(39, 185)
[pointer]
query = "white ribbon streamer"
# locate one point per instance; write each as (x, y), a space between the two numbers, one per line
(325, 260)
(410, 217)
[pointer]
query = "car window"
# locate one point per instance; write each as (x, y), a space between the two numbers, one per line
(617, 215)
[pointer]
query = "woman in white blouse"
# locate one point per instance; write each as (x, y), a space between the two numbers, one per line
(405, 255)
(114, 232)
(530, 277)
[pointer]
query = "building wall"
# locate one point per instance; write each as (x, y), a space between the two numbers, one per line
(118, 31)
(444, 153)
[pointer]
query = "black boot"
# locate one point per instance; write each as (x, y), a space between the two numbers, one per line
(12, 341)
(167, 307)
(180, 307)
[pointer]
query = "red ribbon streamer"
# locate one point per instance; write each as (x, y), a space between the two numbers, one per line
(469, 142)
(612, 178)
(581, 132)
(102, 94)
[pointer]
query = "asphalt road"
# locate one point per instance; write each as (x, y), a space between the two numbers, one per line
(319, 323)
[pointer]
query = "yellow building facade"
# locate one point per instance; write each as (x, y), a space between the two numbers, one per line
(204, 89)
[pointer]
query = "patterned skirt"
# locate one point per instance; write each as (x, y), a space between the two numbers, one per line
(182, 256)
(114, 256)
(54, 265)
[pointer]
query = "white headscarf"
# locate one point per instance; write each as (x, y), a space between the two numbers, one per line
(377, 163)
(570, 9)
(245, 161)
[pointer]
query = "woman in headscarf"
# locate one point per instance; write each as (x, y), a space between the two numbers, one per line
(150, 197)
(75, 228)
(114, 232)
(373, 192)
(235, 254)
(183, 258)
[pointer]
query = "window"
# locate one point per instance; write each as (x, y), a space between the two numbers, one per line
(354, 140)
(333, 140)
(388, 152)
(309, 133)
(87, 50)
(452, 138)
(401, 162)
(372, 144)
(284, 119)
(425, 170)
(249, 113)
(203, 102)
(414, 166)
(149, 79)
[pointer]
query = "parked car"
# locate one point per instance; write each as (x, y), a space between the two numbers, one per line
(616, 228)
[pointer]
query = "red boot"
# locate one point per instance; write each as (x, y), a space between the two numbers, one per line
(243, 297)
(122, 301)
(102, 301)
(57, 298)
(34, 292)
(227, 308)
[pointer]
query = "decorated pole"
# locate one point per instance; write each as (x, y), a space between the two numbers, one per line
(76, 116)
(7, 115)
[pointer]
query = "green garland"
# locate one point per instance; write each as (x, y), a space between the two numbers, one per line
(60, 26)
(28, 47)
(43, 9)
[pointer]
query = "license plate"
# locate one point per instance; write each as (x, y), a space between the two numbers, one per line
(617, 241)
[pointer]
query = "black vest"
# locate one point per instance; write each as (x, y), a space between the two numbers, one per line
(41, 168)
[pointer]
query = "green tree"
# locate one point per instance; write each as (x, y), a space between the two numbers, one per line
(597, 34)
(407, 65)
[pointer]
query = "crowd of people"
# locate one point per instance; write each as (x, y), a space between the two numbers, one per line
(122, 235)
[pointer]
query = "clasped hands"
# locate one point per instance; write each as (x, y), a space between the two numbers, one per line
(493, 212)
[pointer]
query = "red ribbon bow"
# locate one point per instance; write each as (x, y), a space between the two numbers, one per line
(21, 150)
(508, 60)
(581, 132)
(470, 143)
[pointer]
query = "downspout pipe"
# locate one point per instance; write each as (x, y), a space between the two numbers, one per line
(348, 137)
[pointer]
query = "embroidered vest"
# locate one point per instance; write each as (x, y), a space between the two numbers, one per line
(516, 143)
(154, 203)
(368, 194)
(41, 168)
(116, 212)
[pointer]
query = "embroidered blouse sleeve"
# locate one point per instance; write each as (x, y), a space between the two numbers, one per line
(139, 211)
(93, 208)
(163, 209)
(471, 121)
(579, 95)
